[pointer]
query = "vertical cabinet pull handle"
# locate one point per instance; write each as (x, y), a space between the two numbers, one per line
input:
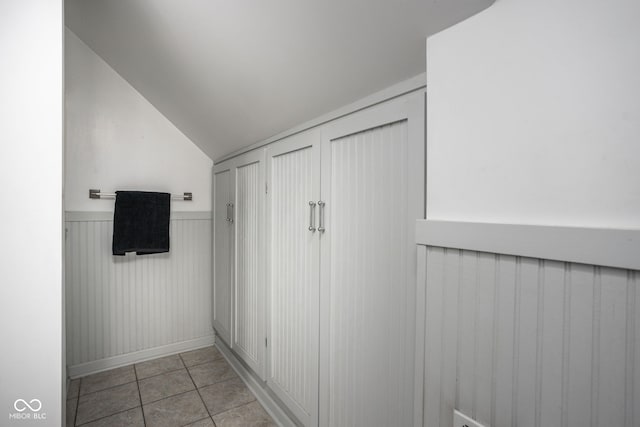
(312, 216)
(227, 212)
(231, 209)
(321, 223)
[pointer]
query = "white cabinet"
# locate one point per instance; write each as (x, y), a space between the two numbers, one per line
(327, 259)
(342, 202)
(239, 278)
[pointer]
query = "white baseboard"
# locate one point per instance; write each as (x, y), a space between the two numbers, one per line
(257, 387)
(96, 366)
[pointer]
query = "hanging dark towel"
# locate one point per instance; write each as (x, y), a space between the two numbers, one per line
(141, 222)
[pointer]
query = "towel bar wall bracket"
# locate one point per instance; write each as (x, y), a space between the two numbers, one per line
(97, 194)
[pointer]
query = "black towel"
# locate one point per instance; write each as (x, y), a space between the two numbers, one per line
(141, 222)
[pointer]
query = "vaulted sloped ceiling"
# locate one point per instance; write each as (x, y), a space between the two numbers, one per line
(230, 73)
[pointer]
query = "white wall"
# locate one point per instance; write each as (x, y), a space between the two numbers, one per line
(31, 84)
(534, 115)
(117, 140)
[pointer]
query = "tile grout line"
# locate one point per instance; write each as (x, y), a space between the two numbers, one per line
(161, 373)
(135, 372)
(108, 388)
(168, 397)
(107, 416)
(220, 382)
(197, 421)
(255, 400)
(206, 408)
(240, 406)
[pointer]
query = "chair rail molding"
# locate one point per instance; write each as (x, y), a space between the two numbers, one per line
(595, 246)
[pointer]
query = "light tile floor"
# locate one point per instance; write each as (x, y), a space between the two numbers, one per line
(197, 388)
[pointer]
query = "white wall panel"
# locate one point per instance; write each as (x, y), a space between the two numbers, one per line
(530, 342)
(498, 106)
(372, 299)
(250, 281)
(119, 305)
(31, 156)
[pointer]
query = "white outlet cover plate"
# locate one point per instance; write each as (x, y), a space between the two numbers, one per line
(461, 420)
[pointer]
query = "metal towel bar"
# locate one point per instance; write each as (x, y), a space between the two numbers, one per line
(97, 194)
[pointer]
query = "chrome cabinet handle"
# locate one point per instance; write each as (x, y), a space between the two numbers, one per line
(231, 216)
(321, 224)
(227, 212)
(312, 216)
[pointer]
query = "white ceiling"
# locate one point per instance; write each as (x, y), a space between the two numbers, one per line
(231, 73)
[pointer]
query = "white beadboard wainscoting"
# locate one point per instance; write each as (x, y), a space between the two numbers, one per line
(121, 310)
(519, 341)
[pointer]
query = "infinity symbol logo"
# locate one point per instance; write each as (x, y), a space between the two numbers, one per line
(21, 405)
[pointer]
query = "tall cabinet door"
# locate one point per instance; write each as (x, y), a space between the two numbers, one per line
(223, 226)
(372, 187)
(250, 281)
(293, 192)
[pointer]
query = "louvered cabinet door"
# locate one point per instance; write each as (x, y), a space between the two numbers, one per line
(373, 190)
(222, 250)
(293, 183)
(250, 280)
